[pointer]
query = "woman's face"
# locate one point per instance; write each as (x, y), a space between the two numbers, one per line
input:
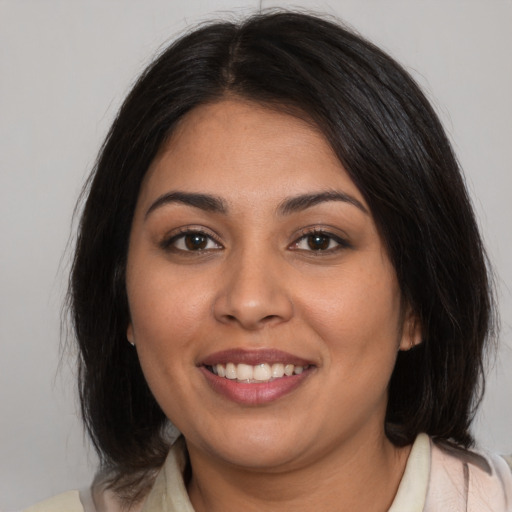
(264, 308)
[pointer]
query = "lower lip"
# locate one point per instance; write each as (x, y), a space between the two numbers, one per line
(257, 393)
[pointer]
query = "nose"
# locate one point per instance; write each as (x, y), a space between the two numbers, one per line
(254, 294)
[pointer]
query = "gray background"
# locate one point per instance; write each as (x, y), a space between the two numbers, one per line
(65, 66)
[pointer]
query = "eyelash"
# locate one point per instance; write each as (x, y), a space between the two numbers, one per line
(171, 243)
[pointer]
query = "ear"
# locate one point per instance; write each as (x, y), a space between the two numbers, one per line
(129, 334)
(411, 330)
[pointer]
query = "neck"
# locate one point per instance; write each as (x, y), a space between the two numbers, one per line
(359, 476)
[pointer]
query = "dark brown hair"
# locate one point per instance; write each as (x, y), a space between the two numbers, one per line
(390, 141)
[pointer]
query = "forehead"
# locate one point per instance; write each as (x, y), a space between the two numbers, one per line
(236, 148)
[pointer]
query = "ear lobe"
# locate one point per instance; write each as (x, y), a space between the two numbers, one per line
(411, 331)
(129, 334)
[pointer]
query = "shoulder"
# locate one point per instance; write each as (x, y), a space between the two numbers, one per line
(65, 502)
(468, 480)
(95, 499)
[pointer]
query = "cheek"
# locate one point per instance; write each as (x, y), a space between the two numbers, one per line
(360, 333)
(165, 306)
(165, 326)
(358, 315)
(165, 322)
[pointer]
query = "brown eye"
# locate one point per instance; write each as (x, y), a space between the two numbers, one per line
(319, 242)
(195, 241)
(191, 241)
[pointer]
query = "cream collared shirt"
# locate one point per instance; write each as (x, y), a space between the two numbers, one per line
(437, 478)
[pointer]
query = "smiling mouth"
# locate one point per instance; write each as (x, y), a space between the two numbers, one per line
(254, 374)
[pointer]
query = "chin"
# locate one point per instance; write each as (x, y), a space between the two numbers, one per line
(256, 448)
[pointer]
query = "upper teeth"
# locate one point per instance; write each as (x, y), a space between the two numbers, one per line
(260, 372)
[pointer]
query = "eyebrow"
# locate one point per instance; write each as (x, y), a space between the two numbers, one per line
(204, 202)
(303, 202)
(216, 204)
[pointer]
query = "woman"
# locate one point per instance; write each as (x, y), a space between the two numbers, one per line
(278, 227)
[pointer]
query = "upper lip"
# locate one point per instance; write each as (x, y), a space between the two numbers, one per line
(253, 357)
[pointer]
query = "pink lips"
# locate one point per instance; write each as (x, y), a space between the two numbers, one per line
(259, 393)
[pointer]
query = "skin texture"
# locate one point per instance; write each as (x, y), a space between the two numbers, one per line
(260, 281)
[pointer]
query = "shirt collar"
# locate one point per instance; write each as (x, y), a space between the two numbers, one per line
(169, 493)
(412, 491)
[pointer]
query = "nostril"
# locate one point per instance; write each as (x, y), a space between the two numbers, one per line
(269, 318)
